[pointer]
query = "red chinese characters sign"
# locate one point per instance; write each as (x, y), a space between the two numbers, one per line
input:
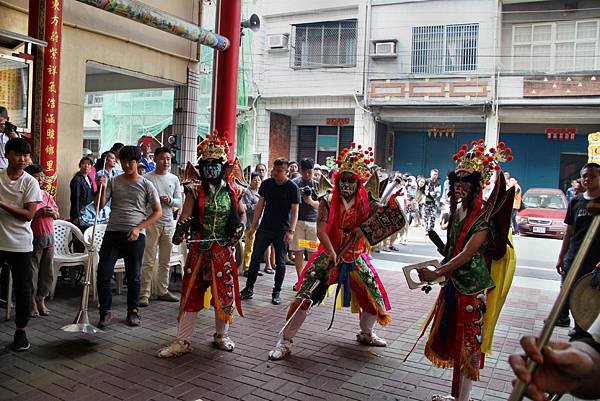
(338, 121)
(49, 126)
(561, 134)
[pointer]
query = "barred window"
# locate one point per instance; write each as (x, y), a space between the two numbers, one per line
(444, 48)
(556, 46)
(325, 44)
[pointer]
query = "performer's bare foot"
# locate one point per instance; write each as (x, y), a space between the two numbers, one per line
(177, 348)
(281, 350)
(224, 342)
(370, 339)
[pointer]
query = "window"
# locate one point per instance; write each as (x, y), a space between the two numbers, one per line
(325, 44)
(320, 142)
(92, 99)
(439, 49)
(556, 46)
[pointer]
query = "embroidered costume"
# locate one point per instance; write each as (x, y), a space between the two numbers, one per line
(358, 284)
(462, 320)
(212, 213)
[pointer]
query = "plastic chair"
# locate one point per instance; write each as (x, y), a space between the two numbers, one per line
(178, 255)
(63, 257)
(119, 266)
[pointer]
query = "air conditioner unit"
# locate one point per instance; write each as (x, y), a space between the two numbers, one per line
(279, 41)
(385, 48)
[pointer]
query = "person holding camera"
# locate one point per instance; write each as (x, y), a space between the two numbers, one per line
(7, 132)
(306, 228)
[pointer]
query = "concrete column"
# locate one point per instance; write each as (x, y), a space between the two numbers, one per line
(364, 128)
(492, 129)
(185, 117)
(260, 138)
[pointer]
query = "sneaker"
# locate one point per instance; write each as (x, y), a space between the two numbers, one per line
(281, 350)
(105, 320)
(246, 293)
(168, 297)
(177, 348)
(370, 339)
(133, 318)
(223, 341)
(20, 341)
(143, 302)
(276, 299)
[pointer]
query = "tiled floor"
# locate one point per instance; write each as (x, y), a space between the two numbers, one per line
(326, 365)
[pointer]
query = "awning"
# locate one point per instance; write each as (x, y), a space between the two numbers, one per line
(12, 40)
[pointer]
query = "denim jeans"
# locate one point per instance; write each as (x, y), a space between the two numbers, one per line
(20, 267)
(115, 245)
(263, 239)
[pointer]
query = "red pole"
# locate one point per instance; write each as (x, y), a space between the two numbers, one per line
(49, 123)
(226, 66)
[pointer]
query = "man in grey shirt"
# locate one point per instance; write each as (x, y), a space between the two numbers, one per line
(132, 196)
(160, 233)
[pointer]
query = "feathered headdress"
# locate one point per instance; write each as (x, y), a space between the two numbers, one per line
(356, 160)
(477, 159)
(213, 147)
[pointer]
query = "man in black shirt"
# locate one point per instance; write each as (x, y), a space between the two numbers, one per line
(279, 198)
(306, 229)
(578, 221)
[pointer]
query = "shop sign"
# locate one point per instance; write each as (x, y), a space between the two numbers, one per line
(338, 121)
(594, 147)
(561, 134)
(444, 132)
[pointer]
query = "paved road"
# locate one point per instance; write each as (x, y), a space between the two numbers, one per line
(536, 258)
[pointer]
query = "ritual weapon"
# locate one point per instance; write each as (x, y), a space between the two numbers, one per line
(409, 271)
(593, 208)
(82, 324)
(415, 282)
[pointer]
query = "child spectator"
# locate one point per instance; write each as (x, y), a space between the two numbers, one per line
(19, 196)
(43, 245)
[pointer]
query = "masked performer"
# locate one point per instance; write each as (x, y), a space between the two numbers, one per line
(477, 264)
(216, 220)
(342, 257)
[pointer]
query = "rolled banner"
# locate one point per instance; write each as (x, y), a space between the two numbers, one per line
(594, 147)
(136, 11)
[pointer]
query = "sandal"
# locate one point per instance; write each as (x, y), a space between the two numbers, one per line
(268, 270)
(44, 311)
(34, 313)
(41, 307)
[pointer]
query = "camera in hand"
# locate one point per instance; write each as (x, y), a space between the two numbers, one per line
(309, 191)
(9, 128)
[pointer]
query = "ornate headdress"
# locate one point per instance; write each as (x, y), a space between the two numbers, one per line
(356, 160)
(213, 147)
(477, 159)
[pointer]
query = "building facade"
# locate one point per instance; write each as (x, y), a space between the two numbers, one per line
(416, 79)
(309, 76)
(102, 52)
(549, 87)
(442, 73)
